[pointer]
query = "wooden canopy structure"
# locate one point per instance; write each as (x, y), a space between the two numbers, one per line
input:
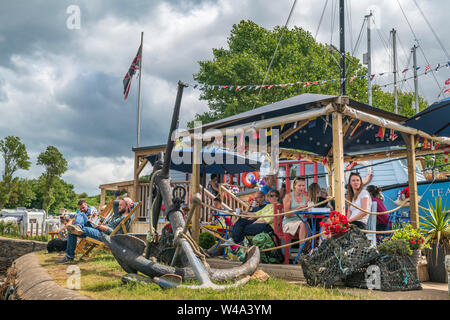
(355, 132)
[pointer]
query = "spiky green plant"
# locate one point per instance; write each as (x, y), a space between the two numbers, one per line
(435, 224)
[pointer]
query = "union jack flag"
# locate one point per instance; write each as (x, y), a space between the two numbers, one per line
(135, 65)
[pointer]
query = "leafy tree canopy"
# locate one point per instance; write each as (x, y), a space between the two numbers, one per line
(15, 156)
(299, 58)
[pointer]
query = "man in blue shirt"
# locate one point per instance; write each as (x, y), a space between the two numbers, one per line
(90, 212)
(270, 185)
(81, 227)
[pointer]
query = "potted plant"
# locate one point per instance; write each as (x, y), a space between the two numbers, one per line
(415, 239)
(435, 224)
(395, 247)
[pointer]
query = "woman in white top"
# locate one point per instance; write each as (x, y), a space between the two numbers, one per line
(361, 198)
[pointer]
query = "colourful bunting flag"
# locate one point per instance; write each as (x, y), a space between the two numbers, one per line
(427, 68)
(381, 132)
(356, 127)
(392, 135)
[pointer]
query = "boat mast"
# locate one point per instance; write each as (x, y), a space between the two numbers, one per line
(342, 44)
(394, 49)
(369, 60)
(416, 84)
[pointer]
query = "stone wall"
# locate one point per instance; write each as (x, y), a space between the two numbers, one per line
(11, 249)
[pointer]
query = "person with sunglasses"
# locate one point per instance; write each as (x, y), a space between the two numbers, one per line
(253, 225)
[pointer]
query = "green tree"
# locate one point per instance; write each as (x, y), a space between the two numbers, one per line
(21, 193)
(15, 157)
(55, 165)
(62, 195)
(299, 58)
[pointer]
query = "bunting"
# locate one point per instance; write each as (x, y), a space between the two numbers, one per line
(306, 84)
(381, 132)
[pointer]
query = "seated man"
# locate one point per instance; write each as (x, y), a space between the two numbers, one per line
(88, 210)
(254, 225)
(83, 228)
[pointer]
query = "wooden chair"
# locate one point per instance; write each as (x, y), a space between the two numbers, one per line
(285, 238)
(98, 245)
(105, 217)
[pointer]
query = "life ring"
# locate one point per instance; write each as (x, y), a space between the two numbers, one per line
(228, 179)
(247, 178)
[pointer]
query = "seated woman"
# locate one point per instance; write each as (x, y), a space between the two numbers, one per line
(253, 225)
(215, 215)
(315, 196)
(359, 197)
(298, 199)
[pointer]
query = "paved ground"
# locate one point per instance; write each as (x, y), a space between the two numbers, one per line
(431, 291)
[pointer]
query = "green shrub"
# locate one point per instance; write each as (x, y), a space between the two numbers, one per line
(395, 247)
(206, 240)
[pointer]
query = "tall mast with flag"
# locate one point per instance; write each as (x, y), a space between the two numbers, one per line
(135, 65)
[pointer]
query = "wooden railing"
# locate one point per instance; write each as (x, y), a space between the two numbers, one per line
(231, 201)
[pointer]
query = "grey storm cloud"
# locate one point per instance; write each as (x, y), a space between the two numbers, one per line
(63, 87)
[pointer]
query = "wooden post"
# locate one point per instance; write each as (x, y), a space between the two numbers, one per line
(338, 162)
(195, 186)
(412, 180)
(102, 197)
(134, 194)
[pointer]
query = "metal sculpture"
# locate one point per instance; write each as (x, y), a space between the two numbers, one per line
(129, 250)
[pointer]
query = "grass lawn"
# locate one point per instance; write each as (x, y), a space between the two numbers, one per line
(100, 279)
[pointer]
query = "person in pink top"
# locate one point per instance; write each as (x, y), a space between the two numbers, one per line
(377, 196)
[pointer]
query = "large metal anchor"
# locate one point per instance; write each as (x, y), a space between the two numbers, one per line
(129, 250)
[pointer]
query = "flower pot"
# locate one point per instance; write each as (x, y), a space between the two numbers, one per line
(436, 268)
(415, 257)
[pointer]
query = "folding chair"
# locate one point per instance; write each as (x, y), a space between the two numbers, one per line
(98, 245)
(105, 216)
(285, 238)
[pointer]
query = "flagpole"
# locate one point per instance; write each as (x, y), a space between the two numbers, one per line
(139, 92)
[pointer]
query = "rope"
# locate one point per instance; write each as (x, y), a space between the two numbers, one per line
(376, 213)
(268, 249)
(232, 213)
(151, 229)
(379, 232)
(195, 248)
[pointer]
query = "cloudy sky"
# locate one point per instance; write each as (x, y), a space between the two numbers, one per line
(62, 86)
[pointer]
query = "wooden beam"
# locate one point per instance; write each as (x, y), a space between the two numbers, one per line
(134, 193)
(412, 180)
(142, 166)
(338, 162)
(267, 123)
(366, 117)
(291, 131)
(102, 197)
(389, 154)
(195, 187)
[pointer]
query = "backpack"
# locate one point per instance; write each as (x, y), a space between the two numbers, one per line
(264, 241)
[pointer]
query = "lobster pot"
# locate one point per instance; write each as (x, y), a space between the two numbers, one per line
(388, 273)
(337, 258)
